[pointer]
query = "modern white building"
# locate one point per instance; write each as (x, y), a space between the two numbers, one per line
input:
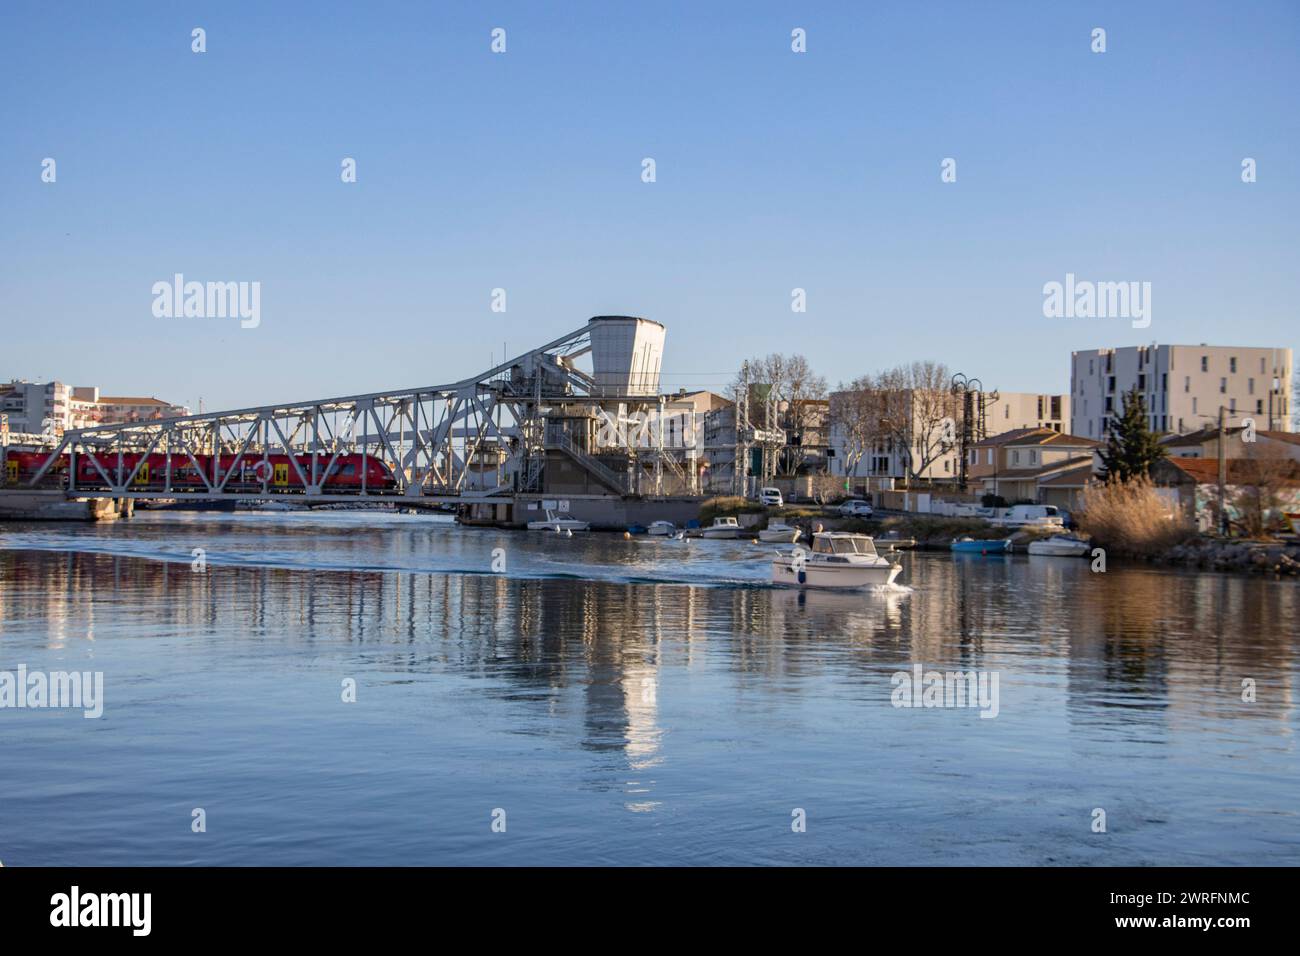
(1183, 386)
(1012, 410)
(36, 408)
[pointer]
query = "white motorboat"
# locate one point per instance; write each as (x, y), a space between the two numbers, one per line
(561, 525)
(722, 528)
(662, 529)
(838, 559)
(779, 532)
(1060, 546)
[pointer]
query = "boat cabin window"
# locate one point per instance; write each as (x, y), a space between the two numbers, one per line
(844, 546)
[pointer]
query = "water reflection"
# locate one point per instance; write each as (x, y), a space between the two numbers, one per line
(1127, 639)
(618, 686)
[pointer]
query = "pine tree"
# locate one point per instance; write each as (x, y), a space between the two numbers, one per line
(1131, 447)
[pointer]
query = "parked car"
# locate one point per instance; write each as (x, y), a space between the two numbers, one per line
(771, 497)
(856, 508)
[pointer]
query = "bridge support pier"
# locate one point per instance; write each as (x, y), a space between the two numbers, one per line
(53, 506)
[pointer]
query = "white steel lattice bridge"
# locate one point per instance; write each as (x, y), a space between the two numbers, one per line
(483, 438)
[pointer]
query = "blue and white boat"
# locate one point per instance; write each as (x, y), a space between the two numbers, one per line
(969, 545)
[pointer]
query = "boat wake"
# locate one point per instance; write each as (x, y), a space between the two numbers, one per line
(894, 588)
(314, 561)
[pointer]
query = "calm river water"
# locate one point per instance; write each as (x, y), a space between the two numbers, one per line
(626, 702)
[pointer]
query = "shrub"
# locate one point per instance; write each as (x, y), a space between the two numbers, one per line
(1131, 518)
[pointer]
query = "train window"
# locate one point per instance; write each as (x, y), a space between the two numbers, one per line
(349, 469)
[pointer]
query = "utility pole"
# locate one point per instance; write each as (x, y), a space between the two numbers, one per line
(1223, 477)
(738, 482)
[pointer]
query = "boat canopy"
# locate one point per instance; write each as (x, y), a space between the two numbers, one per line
(839, 542)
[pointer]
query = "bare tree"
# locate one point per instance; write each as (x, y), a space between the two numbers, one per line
(921, 413)
(1265, 479)
(857, 414)
(791, 384)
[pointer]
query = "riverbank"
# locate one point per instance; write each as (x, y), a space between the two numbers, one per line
(1225, 554)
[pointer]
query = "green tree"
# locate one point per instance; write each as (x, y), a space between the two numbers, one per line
(1131, 447)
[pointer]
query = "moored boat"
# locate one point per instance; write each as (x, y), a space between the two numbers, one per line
(661, 529)
(838, 559)
(1060, 546)
(554, 523)
(726, 527)
(968, 545)
(779, 532)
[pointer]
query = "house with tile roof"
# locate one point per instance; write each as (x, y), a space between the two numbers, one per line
(1038, 465)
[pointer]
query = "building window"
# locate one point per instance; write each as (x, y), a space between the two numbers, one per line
(1164, 381)
(1090, 368)
(1232, 365)
(1142, 383)
(1232, 405)
(1259, 406)
(990, 456)
(1250, 386)
(1205, 363)
(1187, 383)
(1193, 404)
(1015, 458)
(1110, 384)
(1223, 386)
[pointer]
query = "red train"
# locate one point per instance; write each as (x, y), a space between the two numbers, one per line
(252, 474)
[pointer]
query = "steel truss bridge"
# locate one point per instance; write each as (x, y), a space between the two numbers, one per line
(481, 439)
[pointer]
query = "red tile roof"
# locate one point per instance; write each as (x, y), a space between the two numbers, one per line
(1205, 471)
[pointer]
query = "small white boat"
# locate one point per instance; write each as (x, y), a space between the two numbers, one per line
(662, 529)
(561, 525)
(1060, 546)
(839, 559)
(779, 532)
(722, 528)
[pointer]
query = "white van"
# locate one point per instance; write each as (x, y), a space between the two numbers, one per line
(771, 497)
(1042, 515)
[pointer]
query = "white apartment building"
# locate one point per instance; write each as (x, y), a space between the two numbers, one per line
(39, 408)
(34, 408)
(1183, 386)
(1012, 410)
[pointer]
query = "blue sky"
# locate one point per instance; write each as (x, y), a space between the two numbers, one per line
(775, 170)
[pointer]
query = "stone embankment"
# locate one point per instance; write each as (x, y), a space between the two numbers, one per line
(1269, 557)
